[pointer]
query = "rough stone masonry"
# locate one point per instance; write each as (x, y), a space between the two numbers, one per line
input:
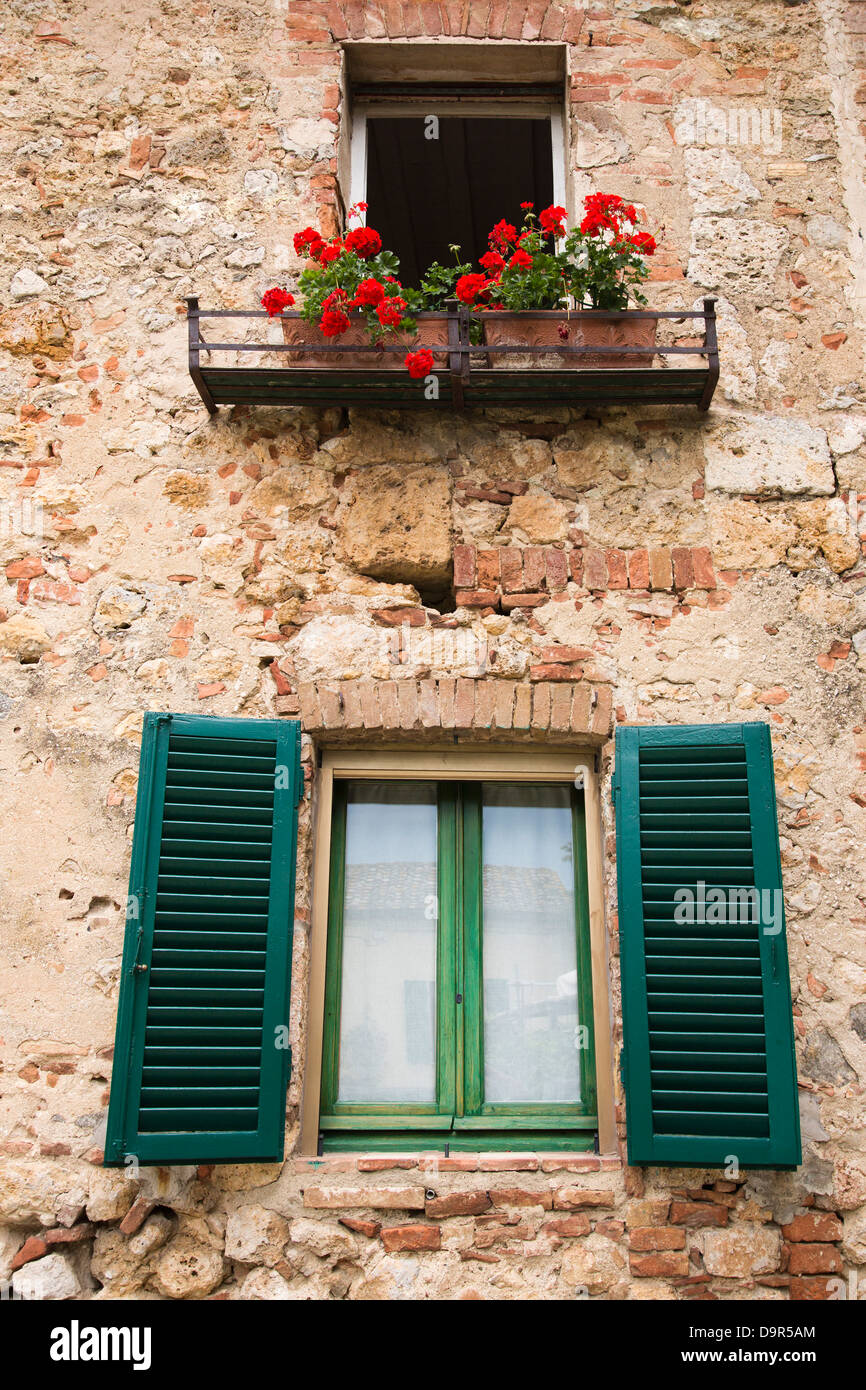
(634, 564)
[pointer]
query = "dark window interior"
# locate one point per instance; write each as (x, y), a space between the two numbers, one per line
(424, 194)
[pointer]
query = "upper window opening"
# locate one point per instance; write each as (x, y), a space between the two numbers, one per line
(433, 185)
(448, 139)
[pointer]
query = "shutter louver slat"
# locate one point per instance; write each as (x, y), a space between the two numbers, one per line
(205, 982)
(708, 1041)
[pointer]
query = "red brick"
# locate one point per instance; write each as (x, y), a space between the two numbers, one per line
(702, 563)
(638, 569)
(459, 1204)
(656, 1238)
(476, 598)
(575, 562)
(511, 569)
(814, 1259)
(29, 568)
(616, 569)
(361, 1228)
(567, 1226)
(661, 573)
(698, 1214)
(396, 617)
(521, 1197)
(136, 1216)
(487, 562)
(533, 568)
(661, 1264)
(560, 654)
(509, 601)
(411, 1238)
(464, 567)
(33, 1248)
(570, 672)
(556, 569)
(594, 569)
(575, 1198)
(684, 573)
(614, 1230)
(69, 1235)
(509, 1163)
(808, 1290)
(814, 1225)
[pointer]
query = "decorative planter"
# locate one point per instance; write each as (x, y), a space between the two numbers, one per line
(600, 332)
(432, 331)
(584, 330)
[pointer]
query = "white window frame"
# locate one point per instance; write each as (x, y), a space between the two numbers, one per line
(421, 107)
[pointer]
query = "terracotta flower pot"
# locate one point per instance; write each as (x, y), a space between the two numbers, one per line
(529, 330)
(432, 331)
(584, 330)
(598, 332)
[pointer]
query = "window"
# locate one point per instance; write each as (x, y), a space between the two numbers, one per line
(458, 1002)
(454, 872)
(426, 192)
(443, 146)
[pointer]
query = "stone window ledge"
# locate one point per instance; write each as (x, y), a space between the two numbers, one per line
(461, 1163)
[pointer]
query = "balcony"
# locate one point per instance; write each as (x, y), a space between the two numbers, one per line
(682, 371)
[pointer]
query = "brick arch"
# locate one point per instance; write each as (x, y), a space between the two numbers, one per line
(312, 21)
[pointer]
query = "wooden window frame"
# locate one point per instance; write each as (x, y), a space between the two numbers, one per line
(457, 765)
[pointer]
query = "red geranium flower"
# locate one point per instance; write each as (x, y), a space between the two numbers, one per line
(527, 207)
(390, 312)
(335, 299)
(419, 363)
(276, 300)
(330, 252)
(642, 241)
(601, 213)
(369, 292)
(521, 260)
(502, 236)
(551, 221)
(308, 242)
(334, 322)
(364, 241)
(492, 262)
(468, 287)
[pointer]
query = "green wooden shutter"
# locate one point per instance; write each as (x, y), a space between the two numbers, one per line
(201, 1064)
(708, 1054)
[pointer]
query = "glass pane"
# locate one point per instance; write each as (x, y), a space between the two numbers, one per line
(531, 1033)
(388, 1004)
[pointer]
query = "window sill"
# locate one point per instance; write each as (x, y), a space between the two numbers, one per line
(460, 1163)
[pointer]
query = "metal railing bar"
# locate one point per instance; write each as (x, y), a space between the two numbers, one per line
(447, 349)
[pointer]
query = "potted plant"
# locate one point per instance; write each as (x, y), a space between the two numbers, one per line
(522, 274)
(552, 277)
(351, 292)
(606, 261)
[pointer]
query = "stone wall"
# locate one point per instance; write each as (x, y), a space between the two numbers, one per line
(501, 574)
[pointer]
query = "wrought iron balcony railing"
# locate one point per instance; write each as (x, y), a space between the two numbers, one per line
(243, 372)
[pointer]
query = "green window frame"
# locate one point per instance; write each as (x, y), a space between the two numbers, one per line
(460, 1118)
